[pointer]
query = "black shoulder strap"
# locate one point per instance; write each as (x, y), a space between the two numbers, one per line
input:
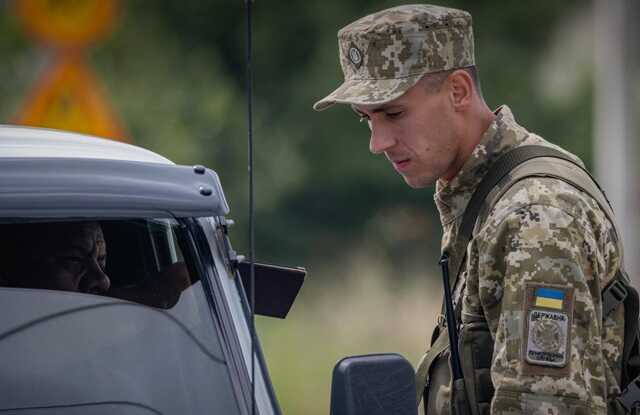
(497, 172)
(503, 166)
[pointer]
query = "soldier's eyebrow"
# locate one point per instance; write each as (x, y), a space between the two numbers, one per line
(381, 108)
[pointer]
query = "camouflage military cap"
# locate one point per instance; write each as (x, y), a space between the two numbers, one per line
(384, 54)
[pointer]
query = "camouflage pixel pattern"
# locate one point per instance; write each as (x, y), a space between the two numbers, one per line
(542, 230)
(384, 54)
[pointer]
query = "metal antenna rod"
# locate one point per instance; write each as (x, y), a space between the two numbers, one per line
(252, 297)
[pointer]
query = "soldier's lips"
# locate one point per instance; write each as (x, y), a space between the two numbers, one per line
(401, 164)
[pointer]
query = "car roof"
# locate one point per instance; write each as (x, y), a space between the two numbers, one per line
(56, 174)
(20, 141)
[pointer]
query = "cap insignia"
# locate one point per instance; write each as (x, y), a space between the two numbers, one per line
(355, 56)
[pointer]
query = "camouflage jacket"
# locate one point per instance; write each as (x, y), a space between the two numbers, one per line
(544, 241)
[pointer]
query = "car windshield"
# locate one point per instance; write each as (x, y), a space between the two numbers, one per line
(107, 316)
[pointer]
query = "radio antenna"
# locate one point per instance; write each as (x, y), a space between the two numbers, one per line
(252, 247)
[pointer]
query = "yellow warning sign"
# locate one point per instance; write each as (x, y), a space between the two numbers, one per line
(67, 97)
(67, 23)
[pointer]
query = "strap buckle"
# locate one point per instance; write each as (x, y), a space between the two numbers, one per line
(630, 397)
(612, 296)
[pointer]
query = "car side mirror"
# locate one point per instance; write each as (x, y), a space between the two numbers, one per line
(276, 287)
(377, 384)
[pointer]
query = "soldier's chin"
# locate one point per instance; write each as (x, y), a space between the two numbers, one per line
(419, 182)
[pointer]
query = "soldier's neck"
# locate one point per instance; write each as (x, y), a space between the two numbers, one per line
(478, 121)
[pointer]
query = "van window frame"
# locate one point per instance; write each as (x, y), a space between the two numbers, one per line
(230, 291)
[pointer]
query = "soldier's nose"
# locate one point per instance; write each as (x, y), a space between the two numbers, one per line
(380, 141)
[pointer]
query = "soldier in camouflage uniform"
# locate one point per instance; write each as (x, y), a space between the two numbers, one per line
(545, 245)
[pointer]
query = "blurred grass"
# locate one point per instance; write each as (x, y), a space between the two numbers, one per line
(365, 310)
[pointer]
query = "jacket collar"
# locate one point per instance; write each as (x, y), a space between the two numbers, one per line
(503, 134)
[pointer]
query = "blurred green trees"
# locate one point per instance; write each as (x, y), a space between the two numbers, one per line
(175, 74)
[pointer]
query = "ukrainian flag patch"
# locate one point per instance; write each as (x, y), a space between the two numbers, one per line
(548, 314)
(549, 298)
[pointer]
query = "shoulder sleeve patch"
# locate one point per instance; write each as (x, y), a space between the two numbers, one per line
(546, 341)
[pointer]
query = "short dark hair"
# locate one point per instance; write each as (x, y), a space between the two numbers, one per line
(433, 81)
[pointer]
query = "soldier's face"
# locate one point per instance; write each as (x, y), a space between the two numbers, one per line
(415, 132)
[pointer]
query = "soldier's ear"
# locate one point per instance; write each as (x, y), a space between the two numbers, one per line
(460, 89)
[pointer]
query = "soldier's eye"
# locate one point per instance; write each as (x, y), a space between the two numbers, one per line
(395, 114)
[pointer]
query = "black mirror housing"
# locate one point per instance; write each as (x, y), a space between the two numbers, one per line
(377, 384)
(276, 287)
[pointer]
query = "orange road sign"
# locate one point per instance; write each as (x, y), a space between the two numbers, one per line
(67, 23)
(67, 97)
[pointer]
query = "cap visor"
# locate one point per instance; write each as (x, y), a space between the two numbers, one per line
(367, 92)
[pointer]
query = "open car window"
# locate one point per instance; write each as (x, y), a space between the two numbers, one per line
(146, 263)
(107, 316)
(137, 260)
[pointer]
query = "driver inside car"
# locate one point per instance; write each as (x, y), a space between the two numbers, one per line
(72, 256)
(68, 256)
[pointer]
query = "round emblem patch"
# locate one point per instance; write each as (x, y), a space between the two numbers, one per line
(547, 335)
(355, 56)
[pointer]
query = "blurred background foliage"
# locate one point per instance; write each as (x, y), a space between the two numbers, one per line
(174, 73)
